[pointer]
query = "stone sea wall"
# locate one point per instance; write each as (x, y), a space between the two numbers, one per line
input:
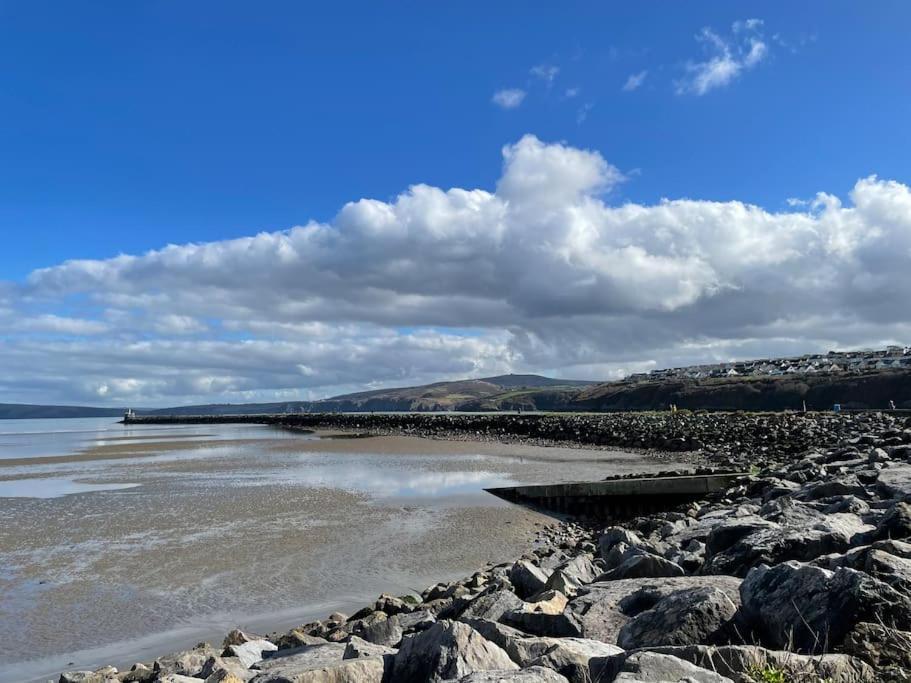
(800, 571)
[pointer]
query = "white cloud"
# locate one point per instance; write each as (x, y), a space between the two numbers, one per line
(541, 272)
(546, 72)
(571, 93)
(508, 98)
(634, 81)
(727, 58)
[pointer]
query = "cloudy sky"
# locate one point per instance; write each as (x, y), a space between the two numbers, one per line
(213, 204)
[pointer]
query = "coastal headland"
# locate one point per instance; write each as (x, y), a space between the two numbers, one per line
(799, 571)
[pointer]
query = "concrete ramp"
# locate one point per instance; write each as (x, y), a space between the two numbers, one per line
(617, 499)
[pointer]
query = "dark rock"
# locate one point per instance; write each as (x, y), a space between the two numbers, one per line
(812, 609)
(642, 564)
(737, 661)
(527, 578)
(652, 667)
(537, 674)
(447, 650)
(880, 646)
(602, 609)
(688, 617)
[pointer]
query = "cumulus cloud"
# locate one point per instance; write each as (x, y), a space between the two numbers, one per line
(726, 57)
(543, 272)
(634, 81)
(508, 98)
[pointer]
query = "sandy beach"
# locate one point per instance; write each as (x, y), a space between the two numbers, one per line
(193, 532)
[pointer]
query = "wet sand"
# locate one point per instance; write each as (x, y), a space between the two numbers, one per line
(257, 529)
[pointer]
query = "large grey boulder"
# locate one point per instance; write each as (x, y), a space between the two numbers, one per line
(642, 564)
(571, 657)
(895, 482)
(528, 578)
(251, 651)
(287, 663)
(357, 670)
(106, 675)
(614, 535)
(492, 606)
(736, 662)
(537, 674)
(358, 647)
(880, 646)
(186, 663)
(219, 667)
(570, 576)
(445, 651)
(688, 617)
(812, 609)
(799, 533)
(653, 667)
(602, 609)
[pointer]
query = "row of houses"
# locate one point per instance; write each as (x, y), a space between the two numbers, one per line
(890, 358)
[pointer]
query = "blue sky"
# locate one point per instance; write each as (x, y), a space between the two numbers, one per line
(130, 126)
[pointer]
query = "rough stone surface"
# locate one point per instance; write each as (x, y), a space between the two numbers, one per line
(652, 667)
(358, 670)
(571, 657)
(813, 609)
(735, 661)
(527, 578)
(537, 674)
(604, 608)
(445, 651)
(688, 617)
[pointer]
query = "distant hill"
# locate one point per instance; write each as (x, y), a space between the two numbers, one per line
(870, 389)
(23, 411)
(438, 396)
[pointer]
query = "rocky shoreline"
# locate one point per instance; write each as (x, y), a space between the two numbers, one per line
(799, 572)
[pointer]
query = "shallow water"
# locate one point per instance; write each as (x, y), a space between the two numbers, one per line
(118, 543)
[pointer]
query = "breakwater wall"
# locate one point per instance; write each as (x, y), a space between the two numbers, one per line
(723, 439)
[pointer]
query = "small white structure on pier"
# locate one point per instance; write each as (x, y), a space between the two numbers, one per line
(129, 415)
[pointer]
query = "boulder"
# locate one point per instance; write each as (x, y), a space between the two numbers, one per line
(358, 647)
(687, 617)
(535, 674)
(186, 663)
(895, 524)
(570, 576)
(251, 651)
(801, 534)
(736, 661)
(812, 609)
(895, 482)
(652, 667)
(176, 678)
(447, 650)
(614, 535)
(570, 657)
(527, 578)
(99, 676)
(602, 609)
(386, 631)
(220, 666)
(492, 606)
(304, 658)
(358, 670)
(547, 602)
(880, 646)
(642, 564)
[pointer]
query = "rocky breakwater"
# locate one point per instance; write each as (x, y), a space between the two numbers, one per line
(799, 572)
(725, 439)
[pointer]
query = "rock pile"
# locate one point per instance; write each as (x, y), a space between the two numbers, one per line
(800, 572)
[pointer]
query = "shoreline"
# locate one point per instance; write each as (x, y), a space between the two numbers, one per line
(829, 493)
